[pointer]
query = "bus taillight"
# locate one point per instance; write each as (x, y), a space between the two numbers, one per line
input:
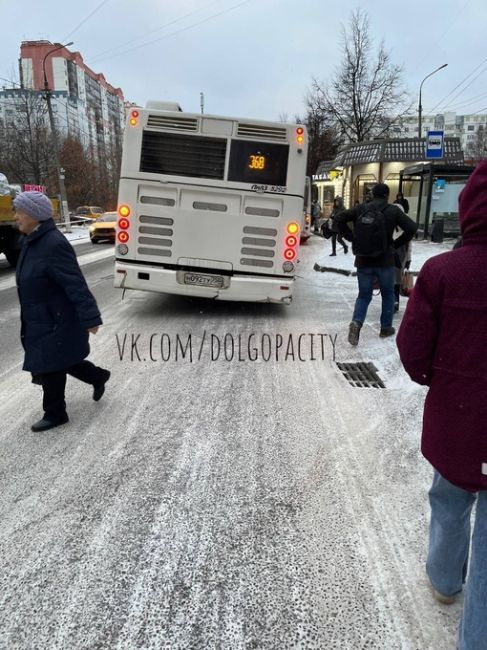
(123, 236)
(134, 118)
(300, 135)
(123, 224)
(291, 241)
(124, 211)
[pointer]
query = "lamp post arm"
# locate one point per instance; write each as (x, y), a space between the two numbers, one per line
(420, 108)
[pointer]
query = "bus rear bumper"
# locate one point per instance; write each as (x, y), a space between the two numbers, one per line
(242, 288)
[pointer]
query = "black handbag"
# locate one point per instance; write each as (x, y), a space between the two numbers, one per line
(326, 230)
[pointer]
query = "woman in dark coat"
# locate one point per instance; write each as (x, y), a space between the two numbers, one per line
(442, 343)
(57, 310)
(402, 201)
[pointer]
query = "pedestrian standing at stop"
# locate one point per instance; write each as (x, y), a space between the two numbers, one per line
(57, 310)
(337, 209)
(315, 214)
(402, 201)
(373, 246)
(442, 343)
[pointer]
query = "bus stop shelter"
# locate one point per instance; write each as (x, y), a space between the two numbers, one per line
(433, 188)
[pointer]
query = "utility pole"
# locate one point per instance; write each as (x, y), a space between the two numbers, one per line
(202, 103)
(60, 172)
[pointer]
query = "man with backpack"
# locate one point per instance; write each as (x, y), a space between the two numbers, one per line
(374, 246)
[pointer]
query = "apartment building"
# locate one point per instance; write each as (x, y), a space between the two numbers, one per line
(464, 127)
(84, 104)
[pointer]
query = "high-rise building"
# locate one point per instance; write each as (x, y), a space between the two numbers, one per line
(84, 104)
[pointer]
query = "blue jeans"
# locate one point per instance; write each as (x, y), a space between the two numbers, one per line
(366, 277)
(448, 553)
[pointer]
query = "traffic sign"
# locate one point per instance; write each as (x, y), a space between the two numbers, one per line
(435, 144)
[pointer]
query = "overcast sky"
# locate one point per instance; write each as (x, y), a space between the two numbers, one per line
(254, 58)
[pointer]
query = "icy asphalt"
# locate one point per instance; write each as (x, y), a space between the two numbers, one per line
(221, 504)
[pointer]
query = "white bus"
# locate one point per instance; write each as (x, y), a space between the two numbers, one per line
(209, 206)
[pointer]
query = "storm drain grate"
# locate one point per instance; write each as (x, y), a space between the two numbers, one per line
(361, 375)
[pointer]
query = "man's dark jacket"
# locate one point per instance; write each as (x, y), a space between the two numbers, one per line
(394, 217)
(56, 306)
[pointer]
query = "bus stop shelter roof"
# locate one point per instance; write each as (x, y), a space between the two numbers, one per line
(395, 150)
(438, 169)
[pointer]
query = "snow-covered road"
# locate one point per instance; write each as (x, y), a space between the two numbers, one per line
(221, 504)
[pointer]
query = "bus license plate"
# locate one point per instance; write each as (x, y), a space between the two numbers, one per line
(203, 280)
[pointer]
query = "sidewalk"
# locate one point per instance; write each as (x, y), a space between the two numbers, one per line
(422, 250)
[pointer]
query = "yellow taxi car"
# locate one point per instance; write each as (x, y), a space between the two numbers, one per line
(103, 229)
(88, 211)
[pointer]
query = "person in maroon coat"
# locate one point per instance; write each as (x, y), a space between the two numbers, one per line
(442, 343)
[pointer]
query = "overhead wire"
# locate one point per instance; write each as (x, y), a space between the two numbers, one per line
(65, 38)
(454, 21)
(178, 31)
(463, 106)
(460, 84)
(152, 31)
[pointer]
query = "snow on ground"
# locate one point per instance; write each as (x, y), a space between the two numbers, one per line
(221, 504)
(421, 251)
(78, 235)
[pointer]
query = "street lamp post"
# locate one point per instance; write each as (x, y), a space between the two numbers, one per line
(420, 108)
(60, 172)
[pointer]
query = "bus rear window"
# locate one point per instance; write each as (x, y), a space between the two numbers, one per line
(258, 162)
(183, 155)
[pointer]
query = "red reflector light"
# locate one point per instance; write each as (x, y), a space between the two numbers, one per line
(135, 113)
(124, 210)
(300, 130)
(123, 237)
(291, 241)
(289, 253)
(123, 223)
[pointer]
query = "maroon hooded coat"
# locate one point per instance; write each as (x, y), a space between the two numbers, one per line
(442, 343)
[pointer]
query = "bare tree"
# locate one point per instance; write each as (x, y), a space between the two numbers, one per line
(90, 181)
(26, 149)
(365, 95)
(27, 156)
(322, 137)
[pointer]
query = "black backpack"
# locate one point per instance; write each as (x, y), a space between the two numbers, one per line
(370, 237)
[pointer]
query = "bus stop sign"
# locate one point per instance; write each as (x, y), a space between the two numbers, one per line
(435, 144)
